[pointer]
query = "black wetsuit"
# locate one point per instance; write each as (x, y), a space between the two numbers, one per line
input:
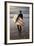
(20, 15)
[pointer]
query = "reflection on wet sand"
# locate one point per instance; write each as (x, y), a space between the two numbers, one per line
(15, 34)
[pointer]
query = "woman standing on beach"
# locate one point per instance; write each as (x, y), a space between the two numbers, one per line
(19, 21)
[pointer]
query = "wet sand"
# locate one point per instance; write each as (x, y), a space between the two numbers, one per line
(18, 35)
(15, 34)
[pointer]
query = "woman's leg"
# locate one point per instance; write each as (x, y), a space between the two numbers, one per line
(19, 28)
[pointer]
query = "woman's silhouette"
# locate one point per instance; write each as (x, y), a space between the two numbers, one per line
(19, 16)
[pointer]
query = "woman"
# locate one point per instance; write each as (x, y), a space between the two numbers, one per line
(19, 19)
